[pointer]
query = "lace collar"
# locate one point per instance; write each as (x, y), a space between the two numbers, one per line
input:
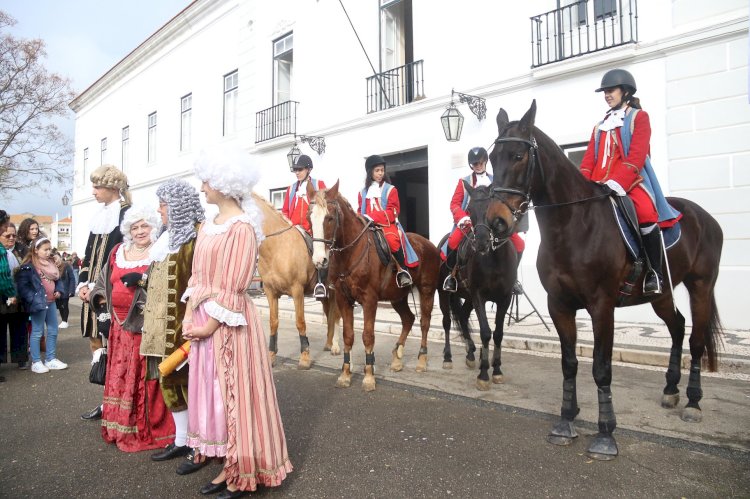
(128, 264)
(209, 227)
(106, 219)
(161, 250)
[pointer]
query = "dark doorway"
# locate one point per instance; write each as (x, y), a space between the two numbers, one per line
(408, 173)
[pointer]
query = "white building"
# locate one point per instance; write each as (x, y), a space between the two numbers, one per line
(258, 73)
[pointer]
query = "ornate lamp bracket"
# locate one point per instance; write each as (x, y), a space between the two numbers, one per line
(317, 144)
(477, 105)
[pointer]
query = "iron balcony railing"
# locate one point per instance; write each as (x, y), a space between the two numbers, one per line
(395, 87)
(581, 28)
(276, 121)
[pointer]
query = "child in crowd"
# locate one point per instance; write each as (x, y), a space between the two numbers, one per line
(68, 278)
(39, 285)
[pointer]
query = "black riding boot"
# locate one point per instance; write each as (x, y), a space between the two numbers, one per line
(517, 288)
(652, 282)
(450, 283)
(403, 278)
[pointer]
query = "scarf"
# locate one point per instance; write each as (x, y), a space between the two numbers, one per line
(49, 274)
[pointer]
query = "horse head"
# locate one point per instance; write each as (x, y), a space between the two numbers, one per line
(515, 166)
(487, 222)
(325, 216)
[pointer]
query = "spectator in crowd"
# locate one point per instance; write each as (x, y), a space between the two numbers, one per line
(69, 288)
(38, 283)
(28, 230)
(13, 319)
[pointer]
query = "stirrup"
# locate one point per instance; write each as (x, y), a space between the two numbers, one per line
(320, 291)
(403, 275)
(450, 284)
(658, 289)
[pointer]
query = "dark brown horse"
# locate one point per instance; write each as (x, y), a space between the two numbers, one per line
(582, 263)
(488, 275)
(345, 243)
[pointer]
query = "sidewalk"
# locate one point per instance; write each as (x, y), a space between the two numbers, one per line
(642, 344)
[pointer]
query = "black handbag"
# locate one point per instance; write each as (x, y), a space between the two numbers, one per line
(98, 371)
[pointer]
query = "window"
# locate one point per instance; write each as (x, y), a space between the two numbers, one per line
(186, 121)
(575, 152)
(125, 147)
(231, 82)
(277, 197)
(283, 61)
(85, 164)
(152, 137)
(605, 8)
(103, 156)
(396, 48)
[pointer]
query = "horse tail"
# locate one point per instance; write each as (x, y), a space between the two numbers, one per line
(713, 339)
(459, 316)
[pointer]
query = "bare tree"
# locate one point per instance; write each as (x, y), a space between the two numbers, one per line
(33, 150)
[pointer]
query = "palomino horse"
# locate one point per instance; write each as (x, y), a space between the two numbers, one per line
(285, 267)
(344, 241)
(582, 263)
(488, 275)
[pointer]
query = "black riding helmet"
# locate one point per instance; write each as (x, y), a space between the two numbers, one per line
(374, 161)
(618, 78)
(477, 154)
(302, 161)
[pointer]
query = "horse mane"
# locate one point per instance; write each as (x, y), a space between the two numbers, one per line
(320, 199)
(268, 209)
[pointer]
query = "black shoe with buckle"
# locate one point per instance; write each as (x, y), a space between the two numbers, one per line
(93, 414)
(213, 488)
(450, 284)
(189, 466)
(171, 451)
(403, 279)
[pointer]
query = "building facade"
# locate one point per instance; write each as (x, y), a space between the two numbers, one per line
(376, 77)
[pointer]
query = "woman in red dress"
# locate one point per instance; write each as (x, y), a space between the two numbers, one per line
(134, 415)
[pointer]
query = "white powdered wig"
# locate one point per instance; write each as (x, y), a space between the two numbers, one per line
(231, 171)
(135, 214)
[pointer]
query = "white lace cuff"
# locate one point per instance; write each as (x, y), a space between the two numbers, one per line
(186, 295)
(221, 314)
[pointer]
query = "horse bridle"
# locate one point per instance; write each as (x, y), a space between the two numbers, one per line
(495, 241)
(531, 166)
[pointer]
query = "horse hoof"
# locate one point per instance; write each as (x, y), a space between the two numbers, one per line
(471, 364)
(562, 433)
(327, 348)
(272, 356)
(691, 415)
(368, 384)
(447, 364)
(497, 379)
(483, 385)
(343, 381)
(304, 361)
(335, 350)
(400, 351)
(422, 364)
(603, 448)
(670, 401)
(396, 364)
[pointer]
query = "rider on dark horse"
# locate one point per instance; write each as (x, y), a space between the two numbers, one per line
(617, 156)
(379, 202)
(296, 205)
(462, 221)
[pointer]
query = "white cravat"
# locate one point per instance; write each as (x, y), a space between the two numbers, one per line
(302, 190)
(482, 179)
(613, 120)
(373, 194)
(106, 219)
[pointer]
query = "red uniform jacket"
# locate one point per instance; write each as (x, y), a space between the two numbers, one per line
(623, 170)
(297, 212)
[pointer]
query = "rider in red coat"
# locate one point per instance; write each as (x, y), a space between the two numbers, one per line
(607, 162)
(379, 202)
(461, 220)
(296, 203)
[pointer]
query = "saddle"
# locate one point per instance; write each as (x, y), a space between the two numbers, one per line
(307, 238)
(381, 245)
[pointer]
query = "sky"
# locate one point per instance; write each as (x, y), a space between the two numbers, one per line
(84, 39)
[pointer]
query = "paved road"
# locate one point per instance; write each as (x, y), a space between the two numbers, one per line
(417, 435)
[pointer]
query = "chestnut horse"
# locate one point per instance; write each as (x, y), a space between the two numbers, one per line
(285, 268)
(344, 241)
(582, 263)
(488, 275)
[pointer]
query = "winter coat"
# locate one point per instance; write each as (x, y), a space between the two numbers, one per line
(30, 289)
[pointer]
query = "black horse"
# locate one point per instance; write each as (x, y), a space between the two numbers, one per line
(582, 263)
(488, 275)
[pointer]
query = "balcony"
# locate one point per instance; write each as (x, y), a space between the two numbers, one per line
(276, 121)
(395, 87)
(582, 27)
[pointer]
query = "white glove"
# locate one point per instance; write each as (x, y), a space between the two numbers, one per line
(464, 221)
(615, 187)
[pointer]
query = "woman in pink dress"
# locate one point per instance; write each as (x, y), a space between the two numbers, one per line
(233, 410)
(134, 415)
